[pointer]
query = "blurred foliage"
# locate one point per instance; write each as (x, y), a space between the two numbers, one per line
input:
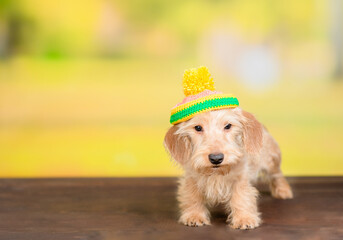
(108, 118)
(86, 86)
(73, 28)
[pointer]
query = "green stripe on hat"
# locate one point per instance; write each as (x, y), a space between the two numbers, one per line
(206, 105)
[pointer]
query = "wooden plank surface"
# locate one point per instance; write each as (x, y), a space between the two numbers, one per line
(146, 208)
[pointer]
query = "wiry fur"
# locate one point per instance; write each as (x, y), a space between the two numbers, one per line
(248, 148)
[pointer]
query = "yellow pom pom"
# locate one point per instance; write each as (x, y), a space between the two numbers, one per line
(196, 80)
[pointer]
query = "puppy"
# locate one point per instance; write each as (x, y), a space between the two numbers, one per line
(222, 152)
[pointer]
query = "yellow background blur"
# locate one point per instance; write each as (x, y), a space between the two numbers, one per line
(86, 87)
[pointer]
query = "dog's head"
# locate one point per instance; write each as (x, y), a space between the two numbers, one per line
(214, 141)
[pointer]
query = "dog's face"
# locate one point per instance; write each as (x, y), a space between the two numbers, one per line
(215, 141)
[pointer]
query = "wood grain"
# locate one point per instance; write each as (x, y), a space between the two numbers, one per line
(146, 208)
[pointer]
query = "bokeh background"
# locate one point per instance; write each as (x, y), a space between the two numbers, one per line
(86, 86)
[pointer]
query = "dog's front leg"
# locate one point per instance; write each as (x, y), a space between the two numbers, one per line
(193, 210)
(243, 206)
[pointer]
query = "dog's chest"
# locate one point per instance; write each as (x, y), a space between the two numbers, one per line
(216, 189)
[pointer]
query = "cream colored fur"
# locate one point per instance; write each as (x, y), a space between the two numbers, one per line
(248, 148)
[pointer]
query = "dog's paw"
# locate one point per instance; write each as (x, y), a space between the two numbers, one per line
(282, 192)
(245, 222)
(194, 220)
(280, 188)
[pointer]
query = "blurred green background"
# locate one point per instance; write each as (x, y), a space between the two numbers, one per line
(86, 87)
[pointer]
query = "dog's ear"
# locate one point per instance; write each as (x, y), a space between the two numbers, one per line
(252, 133)
(178, 146)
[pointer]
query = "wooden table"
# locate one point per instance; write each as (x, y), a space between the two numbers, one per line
(145, 208)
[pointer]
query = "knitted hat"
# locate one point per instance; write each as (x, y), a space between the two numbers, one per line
(198, 87)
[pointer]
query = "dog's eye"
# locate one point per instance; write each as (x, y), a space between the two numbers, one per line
(228, 126)
(198, 128)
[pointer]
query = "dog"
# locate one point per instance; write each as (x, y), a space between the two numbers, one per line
(222, 153)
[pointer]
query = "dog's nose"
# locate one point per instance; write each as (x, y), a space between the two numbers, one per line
(216, 158)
